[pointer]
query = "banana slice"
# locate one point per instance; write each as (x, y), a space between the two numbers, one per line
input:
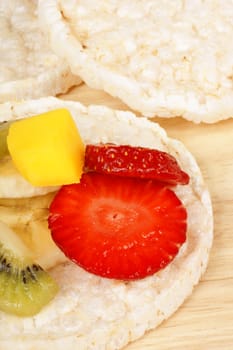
(13, 185)
(28, 218)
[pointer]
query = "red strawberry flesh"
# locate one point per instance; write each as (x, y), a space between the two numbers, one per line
(123, 228)
(132, 161)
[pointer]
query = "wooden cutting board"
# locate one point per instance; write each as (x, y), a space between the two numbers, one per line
(205, 320)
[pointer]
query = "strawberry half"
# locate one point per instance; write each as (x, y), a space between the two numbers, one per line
(123, 228)
(132, 161)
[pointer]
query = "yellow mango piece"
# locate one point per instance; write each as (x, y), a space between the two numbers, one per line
(47, 149)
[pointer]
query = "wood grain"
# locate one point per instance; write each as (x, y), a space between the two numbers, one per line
(205, 320)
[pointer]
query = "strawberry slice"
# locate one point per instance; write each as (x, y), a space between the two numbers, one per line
(115, 227)
(132, 161)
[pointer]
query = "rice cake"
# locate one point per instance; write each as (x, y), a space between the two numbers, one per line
(29, 68)
(91, 312)
(161, 58)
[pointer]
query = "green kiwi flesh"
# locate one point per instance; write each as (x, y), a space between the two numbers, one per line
(4, 128)
(25, 288)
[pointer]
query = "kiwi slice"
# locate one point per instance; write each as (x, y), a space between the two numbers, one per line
(25, 288)
(4, 128)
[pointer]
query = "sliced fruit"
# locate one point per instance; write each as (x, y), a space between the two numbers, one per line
(14, 185)
(115, 227)
(132, 161)
(25, 288)
(27, 217)
(4, 128)
(47, 149)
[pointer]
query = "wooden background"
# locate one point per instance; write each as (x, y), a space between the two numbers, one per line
(205, 320)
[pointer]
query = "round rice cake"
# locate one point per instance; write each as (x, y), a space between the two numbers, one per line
(161, 58)
(90, 312)
(29, 68)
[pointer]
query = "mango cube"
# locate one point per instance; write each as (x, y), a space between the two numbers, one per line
(47, 149)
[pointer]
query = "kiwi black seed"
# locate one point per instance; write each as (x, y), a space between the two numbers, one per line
(25, 288)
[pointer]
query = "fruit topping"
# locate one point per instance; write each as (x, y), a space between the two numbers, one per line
(25, 288)
(4, 127)
(132, 161)
(28, 218)
(115, 227)
(47, 149)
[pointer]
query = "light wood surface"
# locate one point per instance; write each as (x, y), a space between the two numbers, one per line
(205, 320)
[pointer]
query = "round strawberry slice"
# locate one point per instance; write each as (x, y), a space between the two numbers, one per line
(132, 161)
(115, 227)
